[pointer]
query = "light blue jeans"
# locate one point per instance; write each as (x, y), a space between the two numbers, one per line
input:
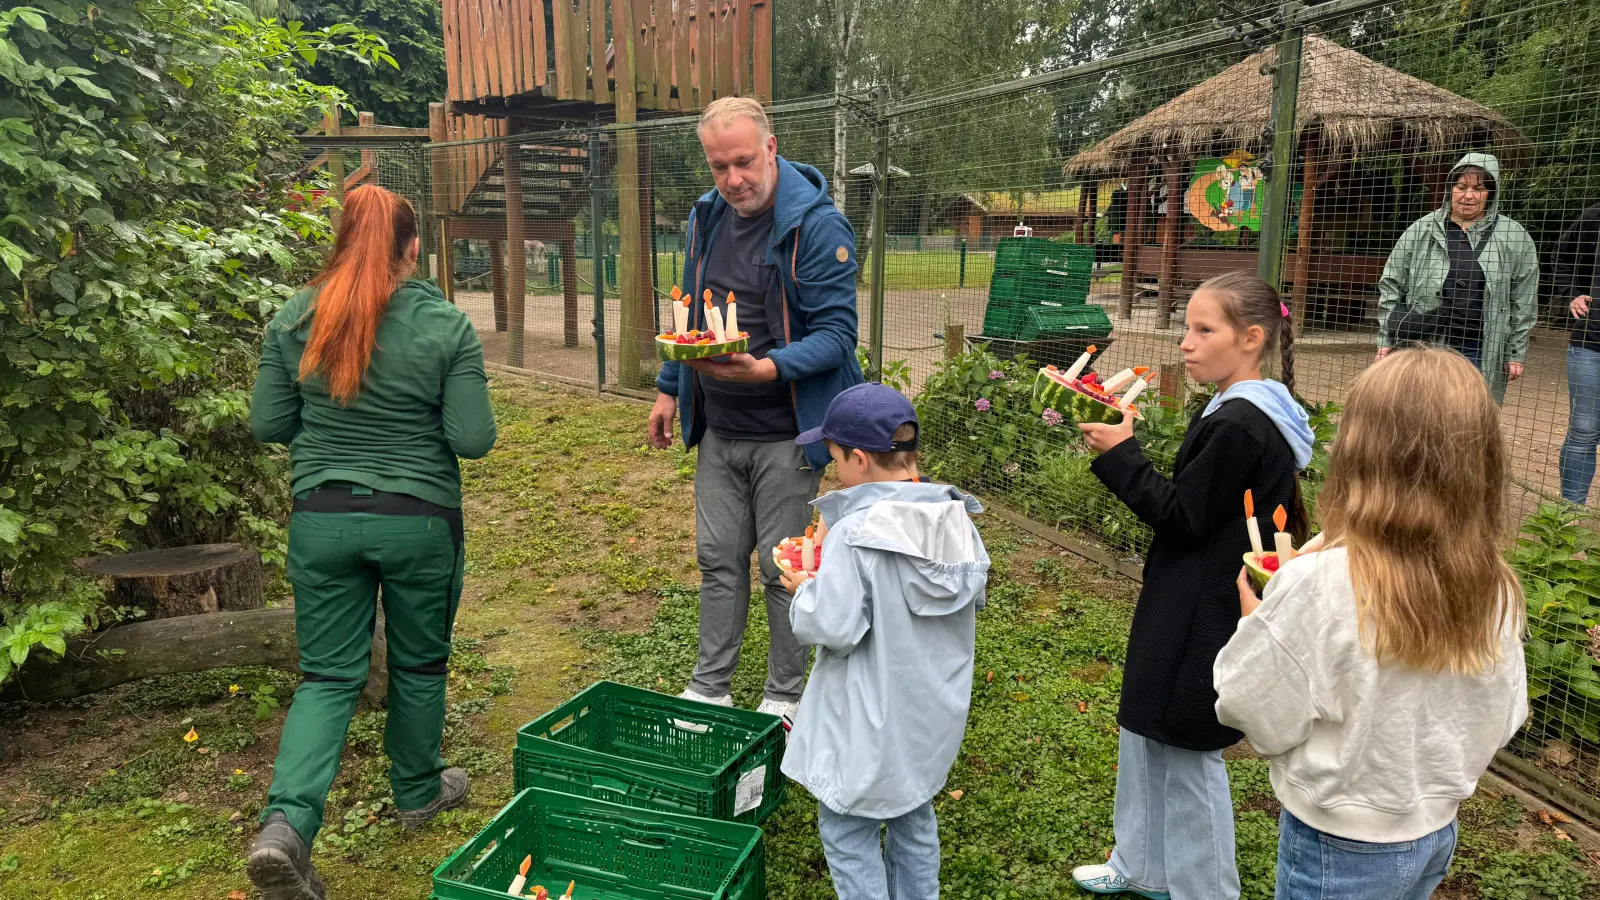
(1174, 821)
(1313, 865)
(904, 866)
(1583, 424)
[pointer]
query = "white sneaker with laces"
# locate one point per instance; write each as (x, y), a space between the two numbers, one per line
(782, 709)
(1106, 880)
(724, 700)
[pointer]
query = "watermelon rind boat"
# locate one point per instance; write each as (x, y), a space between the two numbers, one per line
(704, 347)
(1076, 399)
(1257, 565)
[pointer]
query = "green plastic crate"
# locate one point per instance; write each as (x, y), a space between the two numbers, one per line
(1044, 323)
(613, 853)
(648, 750)
(1019, 255)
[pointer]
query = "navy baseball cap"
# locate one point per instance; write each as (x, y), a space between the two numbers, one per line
(865, 417)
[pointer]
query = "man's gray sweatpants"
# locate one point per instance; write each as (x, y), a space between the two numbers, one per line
(748, 496)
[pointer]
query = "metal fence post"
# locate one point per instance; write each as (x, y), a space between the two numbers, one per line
(880, 215)
(961, 278)
(596, 215)
(424, 213)
(1285, 94)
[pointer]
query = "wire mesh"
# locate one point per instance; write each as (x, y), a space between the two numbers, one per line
(1026, 221)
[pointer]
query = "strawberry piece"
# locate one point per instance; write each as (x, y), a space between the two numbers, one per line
(1270, 562)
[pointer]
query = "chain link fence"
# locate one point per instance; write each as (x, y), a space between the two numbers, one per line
(1002, 227)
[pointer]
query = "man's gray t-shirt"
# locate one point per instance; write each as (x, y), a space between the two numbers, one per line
(737, 262)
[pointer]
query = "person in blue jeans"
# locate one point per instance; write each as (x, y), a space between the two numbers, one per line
(892, 611)
(1577, 280)
(1384, 667)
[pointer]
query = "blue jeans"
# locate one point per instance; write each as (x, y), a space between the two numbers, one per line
(1313, 865)
(904, 866)
(1174, 820)
(1583, 424)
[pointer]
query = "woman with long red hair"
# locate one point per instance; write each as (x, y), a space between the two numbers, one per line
(377, 385)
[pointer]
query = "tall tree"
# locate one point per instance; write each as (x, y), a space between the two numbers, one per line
(414, 30)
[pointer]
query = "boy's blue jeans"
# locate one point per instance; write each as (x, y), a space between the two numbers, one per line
(1313, 865)
(1174, 820)
(1583, 424)
(904, 866)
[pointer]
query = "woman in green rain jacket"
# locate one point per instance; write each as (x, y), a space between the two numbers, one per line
(376, 383)
(1464, 276)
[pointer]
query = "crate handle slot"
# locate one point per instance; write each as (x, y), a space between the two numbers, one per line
(566, 723)
(646, 843)
(609, 784)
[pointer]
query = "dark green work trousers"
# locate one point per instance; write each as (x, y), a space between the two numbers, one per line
(338, 561)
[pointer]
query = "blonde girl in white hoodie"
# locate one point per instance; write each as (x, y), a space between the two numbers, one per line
(1380, 674)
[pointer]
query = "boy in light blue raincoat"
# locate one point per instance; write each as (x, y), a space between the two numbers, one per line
(891, 610)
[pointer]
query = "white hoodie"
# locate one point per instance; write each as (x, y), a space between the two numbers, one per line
(1360, 751)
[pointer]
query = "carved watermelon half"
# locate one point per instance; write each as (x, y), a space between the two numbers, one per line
(788, 554)
(1076, 398)
(672, 349)
(1261, 566)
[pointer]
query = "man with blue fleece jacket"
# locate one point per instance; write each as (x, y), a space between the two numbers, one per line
(770, 235)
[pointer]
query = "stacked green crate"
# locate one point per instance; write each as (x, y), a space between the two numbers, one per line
(1040, 291)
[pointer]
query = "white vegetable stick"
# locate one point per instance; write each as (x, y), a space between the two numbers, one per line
(1254, 528)
(1078, 367)
(1115, 383)
(1284, 544)
(1133, 394)
(733, 321)
(680, 318)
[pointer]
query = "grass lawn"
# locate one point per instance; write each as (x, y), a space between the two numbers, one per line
(580, 567)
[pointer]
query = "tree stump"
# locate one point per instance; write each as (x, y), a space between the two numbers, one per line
(185, 581)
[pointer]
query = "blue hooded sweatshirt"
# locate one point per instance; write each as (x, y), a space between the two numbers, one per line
(814, 250)
(1273, 399)
(892, 612)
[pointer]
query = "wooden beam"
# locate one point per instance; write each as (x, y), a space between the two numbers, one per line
(725, 60)
(1132, 229)
(761, 57)
(507, 67)
(644, 57)
(706, 53)
(452, 52)
(578, 52)
(739, 18)
(661, 46)
(1310, 181)
(538, 62)
(437, 134)
(682, 30)
(630, 372)
(561, 21)
(1171, 242)
(597, 52)
(512, 22)
(497, 278)
(483, 46)
(516, 255)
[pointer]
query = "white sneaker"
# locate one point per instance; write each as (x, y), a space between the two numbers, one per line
(1103, 879)
(724, 700)
(780, 708)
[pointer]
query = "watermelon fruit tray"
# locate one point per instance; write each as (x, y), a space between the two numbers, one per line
(698, 345)
(1082, 399)
(790, 553)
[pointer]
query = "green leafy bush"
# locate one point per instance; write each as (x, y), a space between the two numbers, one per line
(145, 155)
(1554, 557)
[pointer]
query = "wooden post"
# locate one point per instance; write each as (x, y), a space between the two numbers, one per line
(1311, 179)
(438, 133)
(1170, 382)
(955, 340)
(516, 252)
(330, 127)
(1132, 235)
(569, 285)
(1171, 242)
(645, 254)
(633, 319)
(1274, 213)
(497, 281)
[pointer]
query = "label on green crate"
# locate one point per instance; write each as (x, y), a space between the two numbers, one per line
(752, 786)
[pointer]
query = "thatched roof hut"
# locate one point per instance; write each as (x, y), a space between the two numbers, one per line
(1356, 105)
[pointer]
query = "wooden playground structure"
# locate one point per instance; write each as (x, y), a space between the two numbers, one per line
(546, 69)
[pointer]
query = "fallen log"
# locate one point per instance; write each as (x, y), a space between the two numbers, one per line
(178, 644)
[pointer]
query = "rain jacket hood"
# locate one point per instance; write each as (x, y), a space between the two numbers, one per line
(892, 612)
(1488, 163)
(1274, 399)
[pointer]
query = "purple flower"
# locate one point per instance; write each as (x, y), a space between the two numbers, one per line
(996, 375)
(981, 404)
(1051, 418)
